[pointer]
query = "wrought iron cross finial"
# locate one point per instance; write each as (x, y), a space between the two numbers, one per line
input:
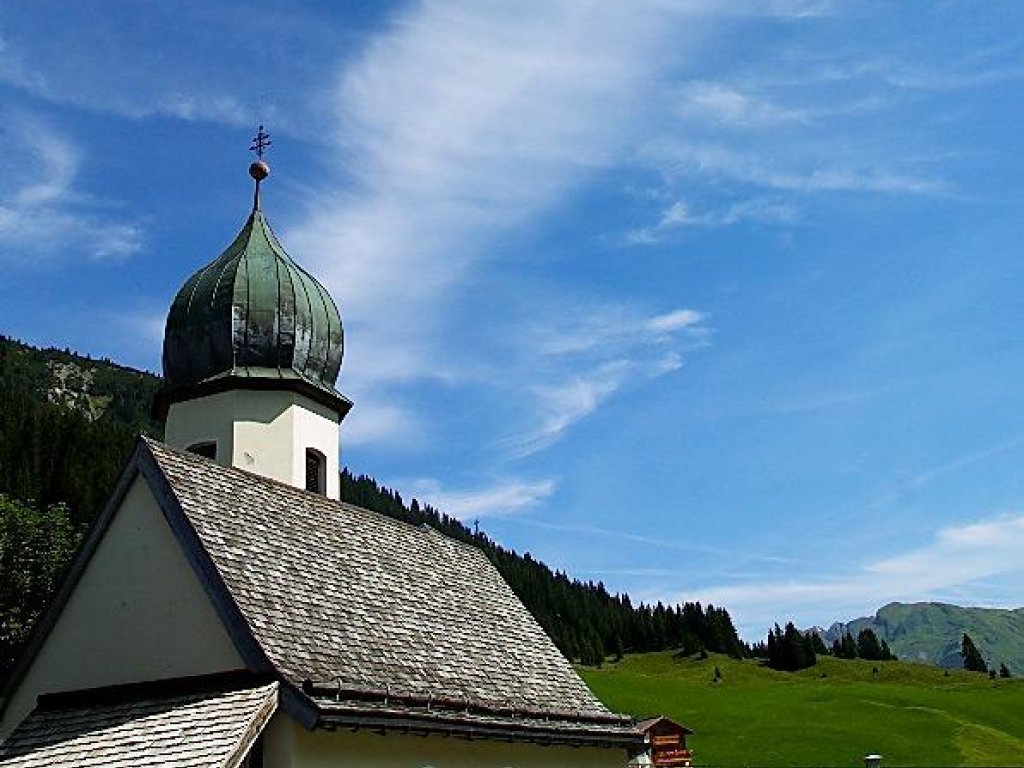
(260, 142)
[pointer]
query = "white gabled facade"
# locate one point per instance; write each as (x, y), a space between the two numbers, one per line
(137, 612)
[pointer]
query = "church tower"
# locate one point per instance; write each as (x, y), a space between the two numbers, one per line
(252, 349)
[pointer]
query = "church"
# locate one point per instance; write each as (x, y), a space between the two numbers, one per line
(227, 609)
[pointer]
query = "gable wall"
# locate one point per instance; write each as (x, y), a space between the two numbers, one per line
(291, 746)
(138, 613)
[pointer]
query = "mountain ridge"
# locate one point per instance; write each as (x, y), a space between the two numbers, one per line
(931, 632)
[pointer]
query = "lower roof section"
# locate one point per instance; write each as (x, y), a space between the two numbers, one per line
(470, 720)
(184, 723)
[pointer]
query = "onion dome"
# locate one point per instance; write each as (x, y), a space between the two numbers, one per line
(253, 319)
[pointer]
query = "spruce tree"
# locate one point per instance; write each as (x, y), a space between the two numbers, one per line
(887, 654)
(847, 647)
(790, 649)
(868, 646)
(973, 660)
(818, 644)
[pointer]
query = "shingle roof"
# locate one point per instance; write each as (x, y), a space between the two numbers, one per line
(182, 730)
(358, 603)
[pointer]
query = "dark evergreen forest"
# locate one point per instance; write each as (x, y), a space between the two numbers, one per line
(68, 423)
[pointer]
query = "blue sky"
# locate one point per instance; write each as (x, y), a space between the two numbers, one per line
(706, 300)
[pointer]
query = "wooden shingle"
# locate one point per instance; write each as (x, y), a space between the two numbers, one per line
(340, 596)
(198, 730)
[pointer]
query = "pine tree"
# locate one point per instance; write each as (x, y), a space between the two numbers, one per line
(973, 660)
(868, 646)
(35, 547)
(818, 644)
(849, 646)
(790, 649)
(1004, 671)
(887, 654)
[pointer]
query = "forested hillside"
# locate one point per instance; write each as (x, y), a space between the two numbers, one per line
(67, 424)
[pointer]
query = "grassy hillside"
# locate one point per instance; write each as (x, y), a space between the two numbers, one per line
(830, 715)
(931, 632)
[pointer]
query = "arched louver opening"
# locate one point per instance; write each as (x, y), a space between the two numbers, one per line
(206, 449)
(316, 471)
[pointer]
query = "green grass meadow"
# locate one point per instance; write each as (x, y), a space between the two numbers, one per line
(830, 715)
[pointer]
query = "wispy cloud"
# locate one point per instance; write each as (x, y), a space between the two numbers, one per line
(43, 216)
(720, 161)
(587, 360)
(459, 123)
(563, 404)
(918, 480)
(465, 121)
(617, 326)
(652, 541)
(373, 421)
(736, 107)
(679, 216)
(982, 67)
(502, 497)
(48, 81)
(721, 104)
(955, 558)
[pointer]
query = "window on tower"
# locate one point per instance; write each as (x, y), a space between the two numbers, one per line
(207, 449)
(316, 472)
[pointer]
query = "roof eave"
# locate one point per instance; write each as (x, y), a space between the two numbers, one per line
(321, 394)
(465, 726)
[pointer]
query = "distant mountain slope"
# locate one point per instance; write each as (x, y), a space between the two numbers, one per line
(931, 632)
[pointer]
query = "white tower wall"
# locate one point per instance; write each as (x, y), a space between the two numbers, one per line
(266, 432)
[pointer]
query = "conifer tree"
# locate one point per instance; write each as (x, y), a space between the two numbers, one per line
(868, 646)
(845, 647)
(973, 660)
(790, 649)
(818, 644)
(887, 654)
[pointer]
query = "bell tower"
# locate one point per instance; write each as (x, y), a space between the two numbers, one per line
(252, 350)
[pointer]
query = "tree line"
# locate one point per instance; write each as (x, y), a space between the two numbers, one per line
(791, 649)
(586, 622)
(975, 662)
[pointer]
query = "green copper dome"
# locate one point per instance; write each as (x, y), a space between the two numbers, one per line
(253, 318)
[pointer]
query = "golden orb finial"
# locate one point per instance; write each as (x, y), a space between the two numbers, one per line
(259, 170)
